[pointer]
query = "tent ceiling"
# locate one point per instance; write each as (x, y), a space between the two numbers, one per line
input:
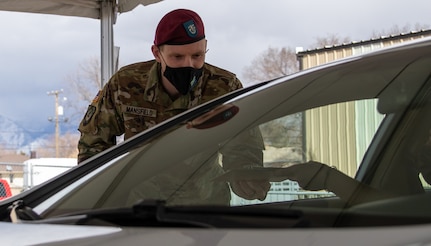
(105, 10)
(79, 8)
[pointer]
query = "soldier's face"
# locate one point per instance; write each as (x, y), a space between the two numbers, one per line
(175, 56)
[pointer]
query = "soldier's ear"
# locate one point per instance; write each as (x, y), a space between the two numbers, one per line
(156, 52)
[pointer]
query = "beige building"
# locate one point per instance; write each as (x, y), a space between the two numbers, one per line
(317, 131)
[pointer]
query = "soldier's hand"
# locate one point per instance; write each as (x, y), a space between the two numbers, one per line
(251, 190)
(311, 175)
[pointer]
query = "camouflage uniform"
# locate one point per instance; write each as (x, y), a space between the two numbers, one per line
(134, 100)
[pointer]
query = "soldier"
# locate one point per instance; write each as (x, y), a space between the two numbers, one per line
(143, 94)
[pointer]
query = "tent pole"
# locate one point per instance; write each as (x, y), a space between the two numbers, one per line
(107, 20)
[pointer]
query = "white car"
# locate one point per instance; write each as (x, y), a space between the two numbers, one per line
(345, 148)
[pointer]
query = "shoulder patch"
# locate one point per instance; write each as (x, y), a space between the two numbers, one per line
(90, 112)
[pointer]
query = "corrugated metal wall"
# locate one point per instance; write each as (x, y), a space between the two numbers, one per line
(322, 57)
(312, 58)
(332, 126)
(353, 123)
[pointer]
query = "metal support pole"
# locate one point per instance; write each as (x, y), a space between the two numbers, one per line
(107, 20)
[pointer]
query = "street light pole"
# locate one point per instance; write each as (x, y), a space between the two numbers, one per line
(57, 127)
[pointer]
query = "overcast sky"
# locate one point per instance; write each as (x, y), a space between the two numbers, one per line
(38, 52)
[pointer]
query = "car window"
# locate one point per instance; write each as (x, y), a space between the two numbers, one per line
(295, 138)
(337, 135)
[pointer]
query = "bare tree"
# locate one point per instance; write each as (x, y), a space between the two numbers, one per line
(67, 146)
(272, 63)
(396, 30)
(330, 40)
(83, 87)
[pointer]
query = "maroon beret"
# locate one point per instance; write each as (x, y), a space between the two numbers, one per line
(178, 27)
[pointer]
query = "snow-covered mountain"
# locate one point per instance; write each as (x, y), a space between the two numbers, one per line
(12, 135)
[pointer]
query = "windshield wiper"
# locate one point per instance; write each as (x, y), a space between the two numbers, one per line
(154, 213)
(224, 216)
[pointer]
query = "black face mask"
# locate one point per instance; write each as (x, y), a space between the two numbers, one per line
(183, 78)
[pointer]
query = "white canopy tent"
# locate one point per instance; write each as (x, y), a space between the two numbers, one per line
(105, 10)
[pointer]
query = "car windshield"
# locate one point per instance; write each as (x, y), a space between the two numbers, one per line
(350, 139)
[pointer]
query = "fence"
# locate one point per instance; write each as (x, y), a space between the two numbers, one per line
(282, 191)
(23, 176)
(13, 173)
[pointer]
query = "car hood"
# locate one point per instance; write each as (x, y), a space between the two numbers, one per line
(28, 234)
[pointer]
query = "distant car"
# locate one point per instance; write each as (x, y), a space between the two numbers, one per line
(5, 191)
(345, 146)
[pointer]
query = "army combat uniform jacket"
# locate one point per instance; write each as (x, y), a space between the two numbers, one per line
(134, 100)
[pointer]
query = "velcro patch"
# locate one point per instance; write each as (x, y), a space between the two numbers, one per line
(149, 112)
(90, 112)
